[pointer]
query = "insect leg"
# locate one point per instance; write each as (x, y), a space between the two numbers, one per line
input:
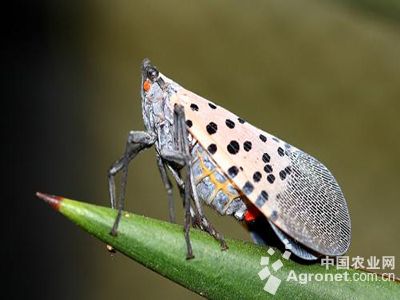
(196, 222)
(188, 216)
(210, 229)
(184, 187)
(168, 187)
(175, 156)
(182, 139)
(183, 143)
(137, 142)
(180, 157)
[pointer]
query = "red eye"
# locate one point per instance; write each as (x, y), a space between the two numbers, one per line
(146, 85)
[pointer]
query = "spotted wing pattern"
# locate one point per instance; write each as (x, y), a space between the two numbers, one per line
(291, 188)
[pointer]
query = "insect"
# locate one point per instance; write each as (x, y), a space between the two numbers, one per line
(219, 159)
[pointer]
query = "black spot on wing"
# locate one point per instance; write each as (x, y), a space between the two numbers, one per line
(281, 152)
(233, 171)
(233, 147)
(230, 123)
(257, 176)
(268, 168)
(266, 158)
(271, 178)
(261, 199)
(212, 148)
(248, 188)
(211, 128)
(288, 169)
(194, 107)
(247, 146)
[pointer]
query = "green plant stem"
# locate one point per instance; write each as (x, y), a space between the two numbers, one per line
(215, 274)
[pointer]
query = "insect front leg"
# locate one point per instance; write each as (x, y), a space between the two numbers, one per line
(136, 143)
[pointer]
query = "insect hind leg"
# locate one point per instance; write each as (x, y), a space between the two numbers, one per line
(206, 226)
(197, 221)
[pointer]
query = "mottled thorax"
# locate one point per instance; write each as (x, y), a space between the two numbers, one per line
(156, 109)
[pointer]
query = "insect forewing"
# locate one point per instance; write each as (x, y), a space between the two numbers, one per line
(292, 189)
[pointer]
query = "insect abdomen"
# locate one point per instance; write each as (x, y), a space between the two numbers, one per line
(213, 187)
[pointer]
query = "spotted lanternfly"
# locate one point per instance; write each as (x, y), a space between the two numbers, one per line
(219, 159)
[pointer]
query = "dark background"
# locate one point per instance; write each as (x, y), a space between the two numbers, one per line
(322, 75)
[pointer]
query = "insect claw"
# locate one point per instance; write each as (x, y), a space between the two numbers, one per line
(196, 222)
(114, 232)
(189, 256)
(224, 246)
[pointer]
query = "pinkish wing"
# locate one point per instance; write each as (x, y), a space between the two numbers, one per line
(291, 188)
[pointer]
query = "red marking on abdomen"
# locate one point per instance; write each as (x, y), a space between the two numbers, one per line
(251, 214)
